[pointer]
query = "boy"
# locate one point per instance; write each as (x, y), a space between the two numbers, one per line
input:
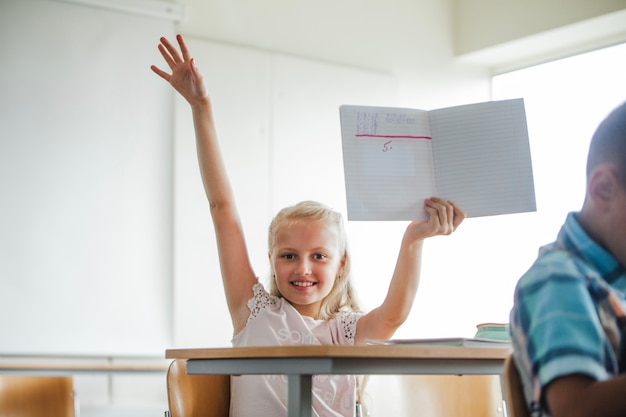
(568, 324)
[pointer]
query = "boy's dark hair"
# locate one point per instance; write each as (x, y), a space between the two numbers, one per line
(608, 143)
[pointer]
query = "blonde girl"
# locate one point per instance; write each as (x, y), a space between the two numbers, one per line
(310, 299)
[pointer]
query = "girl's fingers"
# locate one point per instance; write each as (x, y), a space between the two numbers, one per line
(166, 56)
(442, 211)
(183, 47)
(445, 215)
(175, 56)
(184, 76)
(459, 215)
(172, 57)
(160, 73)
(444, 218)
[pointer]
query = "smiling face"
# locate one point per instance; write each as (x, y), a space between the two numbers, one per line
(306, 260)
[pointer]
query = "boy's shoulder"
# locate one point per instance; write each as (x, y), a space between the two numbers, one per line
(552, 263)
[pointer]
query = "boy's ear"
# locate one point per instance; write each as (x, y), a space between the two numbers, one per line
(602, 184)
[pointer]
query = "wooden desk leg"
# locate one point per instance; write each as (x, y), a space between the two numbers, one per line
(505, 410)
(299, 395)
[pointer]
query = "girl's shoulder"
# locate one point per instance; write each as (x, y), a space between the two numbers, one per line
(347, 321)
(260, 300)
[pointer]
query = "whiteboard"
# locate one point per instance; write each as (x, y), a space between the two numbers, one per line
(85, 182)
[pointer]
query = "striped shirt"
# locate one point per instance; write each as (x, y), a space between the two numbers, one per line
(568, 314)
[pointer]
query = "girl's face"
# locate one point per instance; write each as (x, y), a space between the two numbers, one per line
(306, 260)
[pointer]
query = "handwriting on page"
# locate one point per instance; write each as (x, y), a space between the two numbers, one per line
(390, 126)
(387, 151)
(387, 132)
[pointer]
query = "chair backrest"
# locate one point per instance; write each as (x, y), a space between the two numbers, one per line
(196, 395)
(515, 400)
(36, 396)
(438, 395)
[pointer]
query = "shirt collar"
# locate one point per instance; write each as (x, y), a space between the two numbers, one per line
(576, 240)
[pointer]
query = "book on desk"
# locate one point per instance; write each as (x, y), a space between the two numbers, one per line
(445, 341)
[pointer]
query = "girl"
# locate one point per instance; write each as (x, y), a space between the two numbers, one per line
(310, 299)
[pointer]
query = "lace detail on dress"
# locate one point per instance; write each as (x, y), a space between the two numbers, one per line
(259, 300)
(349, 325)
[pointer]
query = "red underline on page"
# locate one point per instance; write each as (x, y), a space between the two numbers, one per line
(394, 136)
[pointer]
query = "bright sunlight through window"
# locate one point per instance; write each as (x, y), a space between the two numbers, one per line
(565, 101)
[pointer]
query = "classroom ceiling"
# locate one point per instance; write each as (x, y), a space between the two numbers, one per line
(341, 31)
(397, 32)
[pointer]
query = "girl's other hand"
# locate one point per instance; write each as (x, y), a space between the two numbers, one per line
(445, 217)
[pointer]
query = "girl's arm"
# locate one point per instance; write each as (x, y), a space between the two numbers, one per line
(382, 322)
(237, 273)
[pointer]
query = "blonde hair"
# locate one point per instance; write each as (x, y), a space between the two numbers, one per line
(341, 297)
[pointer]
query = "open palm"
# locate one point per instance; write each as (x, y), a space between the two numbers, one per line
(185, 77)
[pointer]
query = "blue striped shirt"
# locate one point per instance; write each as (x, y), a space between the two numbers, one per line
(568, 314)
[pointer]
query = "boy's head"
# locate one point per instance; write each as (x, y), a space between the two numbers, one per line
(608, 143)
(603, 215)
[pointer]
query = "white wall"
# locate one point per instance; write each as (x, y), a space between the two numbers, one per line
(410, 40)
(85, 195)
(238, 80)
(85, 180)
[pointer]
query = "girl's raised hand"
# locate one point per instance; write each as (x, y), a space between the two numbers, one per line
(445, 217)
(185, 77)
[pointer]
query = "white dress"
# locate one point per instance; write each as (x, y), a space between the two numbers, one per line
(272, 322)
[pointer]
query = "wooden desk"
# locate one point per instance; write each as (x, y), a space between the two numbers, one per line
(300, 363)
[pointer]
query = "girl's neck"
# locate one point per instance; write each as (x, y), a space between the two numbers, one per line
(312, 310)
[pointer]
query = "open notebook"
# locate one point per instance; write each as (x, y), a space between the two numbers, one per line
(476, 155)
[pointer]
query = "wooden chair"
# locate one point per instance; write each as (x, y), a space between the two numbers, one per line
(515, 400)
(196, 395)
(435, 395)
(36, 396)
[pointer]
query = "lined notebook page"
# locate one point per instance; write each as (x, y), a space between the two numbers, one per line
(388, 166)
(482, 157)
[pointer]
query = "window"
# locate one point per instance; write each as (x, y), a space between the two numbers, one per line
(565, 101)
(470, 277)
